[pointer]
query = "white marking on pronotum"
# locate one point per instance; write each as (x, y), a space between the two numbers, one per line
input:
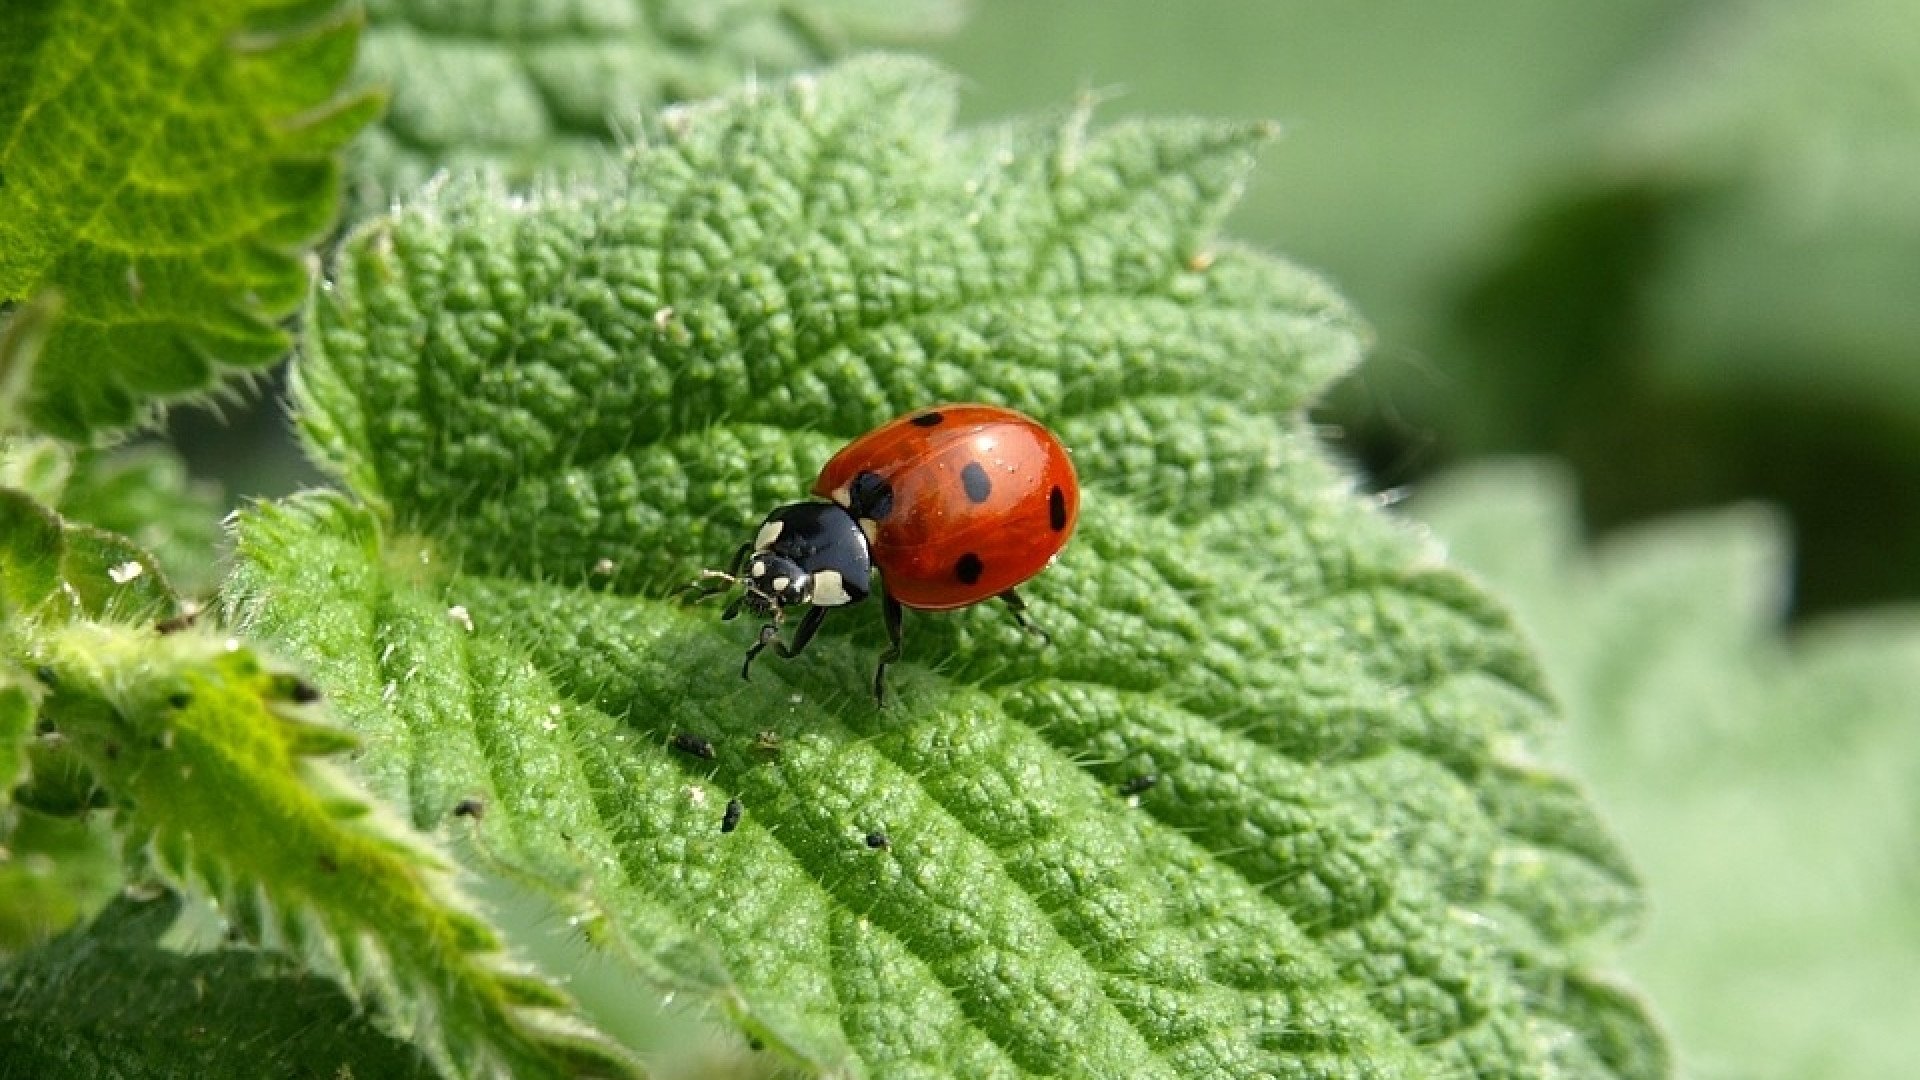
(829, 590)
(768, 534)
(842, 495)
(871, 528)
(780, 583)
(126, 571)
(758, 568)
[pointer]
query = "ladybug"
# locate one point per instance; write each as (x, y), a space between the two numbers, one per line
(953, 505)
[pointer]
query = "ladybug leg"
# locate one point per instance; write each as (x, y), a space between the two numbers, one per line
(890, 614)
(769, 634)
(809, 625)
(1017, 607)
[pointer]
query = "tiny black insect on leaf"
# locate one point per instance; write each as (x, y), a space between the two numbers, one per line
(693, 744)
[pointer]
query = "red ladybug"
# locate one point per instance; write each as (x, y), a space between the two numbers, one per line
(953, 505)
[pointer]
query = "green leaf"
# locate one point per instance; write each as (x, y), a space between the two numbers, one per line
(160, 168)
(1768, 782)
(36, 467)
(23, 333)
(211, 762)
(551, 407)
(525, 85)
(56, 870)
(142, 492)
(18, 704)
(113, 1001)
(54, 867)
(51, 569)
(30, 547)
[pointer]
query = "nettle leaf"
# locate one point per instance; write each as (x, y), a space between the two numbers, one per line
(54, 868)
(1768, 782)
(55, 570)
(18, 705)
(549, 408)
(212, 764)
(525, 85)
(142, 492)
(161, 166)
(108, 1002)
(58, 869)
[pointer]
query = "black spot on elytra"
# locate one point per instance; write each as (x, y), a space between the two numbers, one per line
(969, 568)
(978, 484)
(870, 496)
(1057, 508)
(928, 419)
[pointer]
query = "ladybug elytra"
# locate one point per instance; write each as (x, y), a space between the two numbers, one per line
(952, 505)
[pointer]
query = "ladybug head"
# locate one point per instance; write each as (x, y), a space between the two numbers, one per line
(775, 581)
(811, 553)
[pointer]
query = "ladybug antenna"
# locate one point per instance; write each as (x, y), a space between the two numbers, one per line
(709, 583)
